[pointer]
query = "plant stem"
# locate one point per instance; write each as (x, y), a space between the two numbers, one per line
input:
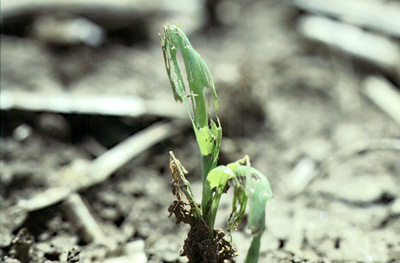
(212, 213)
(254, 249)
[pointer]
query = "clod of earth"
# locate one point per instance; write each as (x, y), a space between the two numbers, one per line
(199, 246)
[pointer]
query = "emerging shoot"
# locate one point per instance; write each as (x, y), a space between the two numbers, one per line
(250, 186)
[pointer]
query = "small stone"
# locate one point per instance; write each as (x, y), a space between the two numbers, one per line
(134, 247)
(395, 207)
(22, 132)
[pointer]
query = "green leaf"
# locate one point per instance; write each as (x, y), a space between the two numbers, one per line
(197, 72)
(259, 192)
(205, 141)
(209, 141)
(216, 132)
(214, 187)
(173, 70)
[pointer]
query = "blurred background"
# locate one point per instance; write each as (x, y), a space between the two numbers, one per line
(308, 89)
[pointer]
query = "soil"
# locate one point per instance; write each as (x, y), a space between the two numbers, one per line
(286, 102)
(199, 246)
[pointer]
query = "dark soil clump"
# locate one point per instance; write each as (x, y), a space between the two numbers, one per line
(199, 247)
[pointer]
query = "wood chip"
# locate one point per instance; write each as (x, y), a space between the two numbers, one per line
(84, 222)
(101, 168)
(369, 14)
(376, 49)
(125, 106)
(384, 95)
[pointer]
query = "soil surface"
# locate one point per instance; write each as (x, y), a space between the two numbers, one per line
(288, 103)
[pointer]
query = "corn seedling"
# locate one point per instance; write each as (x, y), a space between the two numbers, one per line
(250, 186)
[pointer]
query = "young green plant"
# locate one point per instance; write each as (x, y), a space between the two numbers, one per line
(250, 186)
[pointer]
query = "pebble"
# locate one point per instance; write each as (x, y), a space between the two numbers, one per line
(22, 132)
(395, 208)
